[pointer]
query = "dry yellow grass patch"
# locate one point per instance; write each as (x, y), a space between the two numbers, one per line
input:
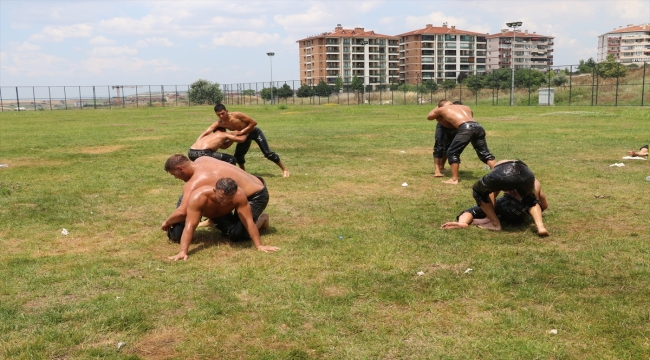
(160, 344)
(18, 162)
(94, 150)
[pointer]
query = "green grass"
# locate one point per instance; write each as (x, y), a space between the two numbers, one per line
(100, 175)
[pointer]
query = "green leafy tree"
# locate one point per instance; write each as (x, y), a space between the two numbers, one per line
(393, 87)
(305, 91)
(205, 92)
(529, 78)
(322, 89)
(498, 79)
(449, 84)
(266, 93)
(356, 84)
(248, 92)
(586, 67)
(430, 85)
(473, 82)
(338, 85)
(559, 80)
(285, 91)
(610, 68)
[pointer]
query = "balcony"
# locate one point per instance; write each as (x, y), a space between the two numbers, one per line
(331, 49)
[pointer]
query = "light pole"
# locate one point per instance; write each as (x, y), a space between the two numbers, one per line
(270, 54)
(364, 43)
(514, 26)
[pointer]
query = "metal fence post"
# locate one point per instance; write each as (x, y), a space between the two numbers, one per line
(17, 99)
(570, 83)
(162, 95)
(643, 84)
(593, 73)
(2, 105)
(65, 98)
(597, 87)
(110, 106)
(80, 101)
(137, 98)
(34, 97)
(150, 101)
(548, 94)
(94, 99)
(461, 93)
(175, 92)
(618, 68)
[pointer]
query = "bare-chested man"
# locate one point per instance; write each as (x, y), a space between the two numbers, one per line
(242, 124)
(643, 152)
(508, 208)
(443, 138)
(209, 144)
(235, 214)
(461, 118)
(508, 175)
(206, 171)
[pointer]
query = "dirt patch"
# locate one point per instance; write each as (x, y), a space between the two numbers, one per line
(145, 138)
(334, 291)
(119, 125)
(33, 162)
(160, 344)
(94, 150)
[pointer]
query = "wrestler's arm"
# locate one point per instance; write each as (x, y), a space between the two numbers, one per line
(434, 114)
(210, 129)
(245, 214)
(191, 222)
(250, 124)
(179, 214)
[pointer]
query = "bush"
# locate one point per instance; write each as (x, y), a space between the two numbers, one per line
(204, 92)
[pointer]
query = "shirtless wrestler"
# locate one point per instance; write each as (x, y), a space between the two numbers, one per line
(209, 144)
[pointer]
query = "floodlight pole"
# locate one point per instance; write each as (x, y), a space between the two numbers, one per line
(513, 25)
(270, 54)
(364, 43)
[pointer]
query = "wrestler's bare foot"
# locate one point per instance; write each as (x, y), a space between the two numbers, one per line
(205, 223)
(631, 153)
(438, 175)
(263, 222)
(451, 182)
(490, 226)
(285, 173)
(454, 225)
(542, 232)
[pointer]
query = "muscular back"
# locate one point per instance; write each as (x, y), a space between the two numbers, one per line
(207, 171)
(213, 141)
(455, 115)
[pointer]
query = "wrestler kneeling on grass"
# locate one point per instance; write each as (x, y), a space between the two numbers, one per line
(237, 216)
(508, 208)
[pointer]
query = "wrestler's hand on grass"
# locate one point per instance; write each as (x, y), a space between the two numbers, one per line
(267, 249)
(165, 226)
(180, 256)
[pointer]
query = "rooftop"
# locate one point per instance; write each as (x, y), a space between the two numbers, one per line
(357, 32)
(444, 29)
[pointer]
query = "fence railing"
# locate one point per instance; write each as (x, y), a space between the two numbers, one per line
(581, 89)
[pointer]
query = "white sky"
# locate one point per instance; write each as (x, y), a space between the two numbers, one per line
(177, 42)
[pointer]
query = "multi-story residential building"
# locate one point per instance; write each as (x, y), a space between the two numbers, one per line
(348, 52)
(529, 51)
(628, 45)
(440, 53)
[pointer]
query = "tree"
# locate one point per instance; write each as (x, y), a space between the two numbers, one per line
(610, 68)
(586, 67)
(356, 84)
(248, 92)
(285, 91)
(529, 78)
(498, 79)
(430, 85)
(474, 83)
(204, 92)
(305, 91)
(338, 85)
(560, 80)
(449, 84)
(266, 93)
(322, 89)
(395, 86)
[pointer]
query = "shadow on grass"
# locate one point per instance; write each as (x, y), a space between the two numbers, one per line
(209, 237)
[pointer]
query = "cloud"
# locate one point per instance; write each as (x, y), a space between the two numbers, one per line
(112, 51)
(633, 11)
(318, 14)
(243, 39)
(155, 41)
(59, 33)
(152, 25)
(34, 64)
(126, 65)
(25, 47)
(101, 41)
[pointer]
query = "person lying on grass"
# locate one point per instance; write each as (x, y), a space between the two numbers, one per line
(509, 209)
(508, 175)
(207, 171)
(643, 151)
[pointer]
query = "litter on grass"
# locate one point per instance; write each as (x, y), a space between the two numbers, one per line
(553, 332)
(469, 270)
(633, 158)
(420, 273)
(617, 164)
(64, 231)
(405, 184)
(120, 345)
(4, 165)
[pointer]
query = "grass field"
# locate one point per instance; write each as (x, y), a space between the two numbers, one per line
(344, 284)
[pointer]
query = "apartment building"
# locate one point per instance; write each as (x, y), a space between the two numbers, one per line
(529, 51)
(348, 52)
(440, 53)
(628, 45)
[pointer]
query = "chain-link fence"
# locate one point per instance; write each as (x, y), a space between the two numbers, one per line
(616, 85)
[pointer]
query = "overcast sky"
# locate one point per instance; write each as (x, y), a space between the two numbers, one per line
(177, 42)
